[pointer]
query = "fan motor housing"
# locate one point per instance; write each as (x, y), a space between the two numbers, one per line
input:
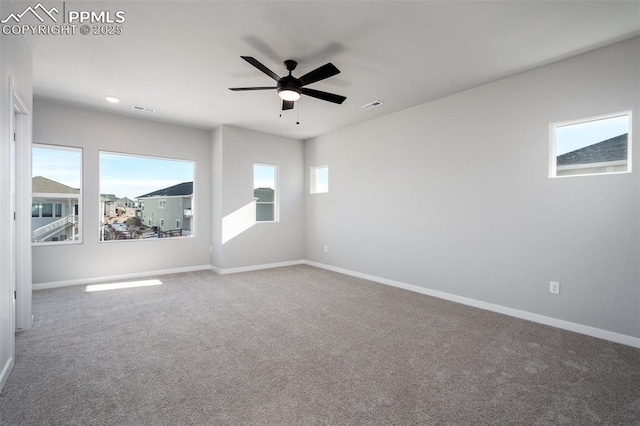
(289, 83)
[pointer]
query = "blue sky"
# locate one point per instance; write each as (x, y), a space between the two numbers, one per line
(264, 176)
(574, 136)
(122, 175)
(321, 180)
(60, 164)
(132, 176)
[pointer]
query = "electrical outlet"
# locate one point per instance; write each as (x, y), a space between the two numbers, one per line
(326, 249)
(554, 287)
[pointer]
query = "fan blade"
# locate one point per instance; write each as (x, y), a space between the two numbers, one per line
(331, 97)
(257, 64)
(287, 105)
(325, 71)
(236, 89)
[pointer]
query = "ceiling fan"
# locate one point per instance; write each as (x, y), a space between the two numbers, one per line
(290, 88)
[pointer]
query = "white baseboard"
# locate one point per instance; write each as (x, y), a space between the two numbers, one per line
(256, 267)
(541, 319)
(96, 280)
(5, 372)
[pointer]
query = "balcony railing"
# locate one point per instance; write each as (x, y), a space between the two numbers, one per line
(43, 232)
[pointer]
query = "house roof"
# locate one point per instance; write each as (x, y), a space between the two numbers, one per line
(264, 194)
(42, 184)
(184, 188)
(108, 197)
(614, 149)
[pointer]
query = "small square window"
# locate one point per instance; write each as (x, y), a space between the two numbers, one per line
(600, 145)
(319, 179)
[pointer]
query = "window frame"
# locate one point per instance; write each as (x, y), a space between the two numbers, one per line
(275, 202)
(191, 231)
(314, 179)
(553, 126)
(41, 198)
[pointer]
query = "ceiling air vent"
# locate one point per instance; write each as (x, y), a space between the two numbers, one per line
(143, 109)
(372, 105)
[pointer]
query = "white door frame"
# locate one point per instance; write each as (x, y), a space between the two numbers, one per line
(22, 248)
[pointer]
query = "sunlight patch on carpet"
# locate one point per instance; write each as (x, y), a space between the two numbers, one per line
(122, 285)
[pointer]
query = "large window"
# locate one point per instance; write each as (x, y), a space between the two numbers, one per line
(145, 197)
(319, 179)
(56, 177)
(597, 145)
(265, 178)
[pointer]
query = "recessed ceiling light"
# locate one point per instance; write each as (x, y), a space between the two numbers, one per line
(112, 99)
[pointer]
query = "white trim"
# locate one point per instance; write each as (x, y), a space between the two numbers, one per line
(256, 267)
(541, 319)
(22, 317)
(6, 371)
(84, 281)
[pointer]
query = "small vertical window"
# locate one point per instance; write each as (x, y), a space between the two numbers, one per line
(319, 179)
(600, 145)
(162, 204)
(265, 192)
(177, 224)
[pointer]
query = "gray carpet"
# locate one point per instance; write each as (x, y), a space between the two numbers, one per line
(301, 345)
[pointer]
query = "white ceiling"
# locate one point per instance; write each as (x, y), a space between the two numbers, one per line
(180, 57)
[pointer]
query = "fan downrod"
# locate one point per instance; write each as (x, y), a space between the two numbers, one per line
(291, 65)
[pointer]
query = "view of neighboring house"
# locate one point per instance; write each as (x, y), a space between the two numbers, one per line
(122, 204)
(54, 211)
(603, 157)
(168, 208)
(108, 204)
(265, 204)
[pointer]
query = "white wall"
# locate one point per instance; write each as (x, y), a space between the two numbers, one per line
(454, 196)
(16, 64)
(217, 198)
(56, 123)
(264, 243)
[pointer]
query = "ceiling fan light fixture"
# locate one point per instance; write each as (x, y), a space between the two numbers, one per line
(288, 95)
